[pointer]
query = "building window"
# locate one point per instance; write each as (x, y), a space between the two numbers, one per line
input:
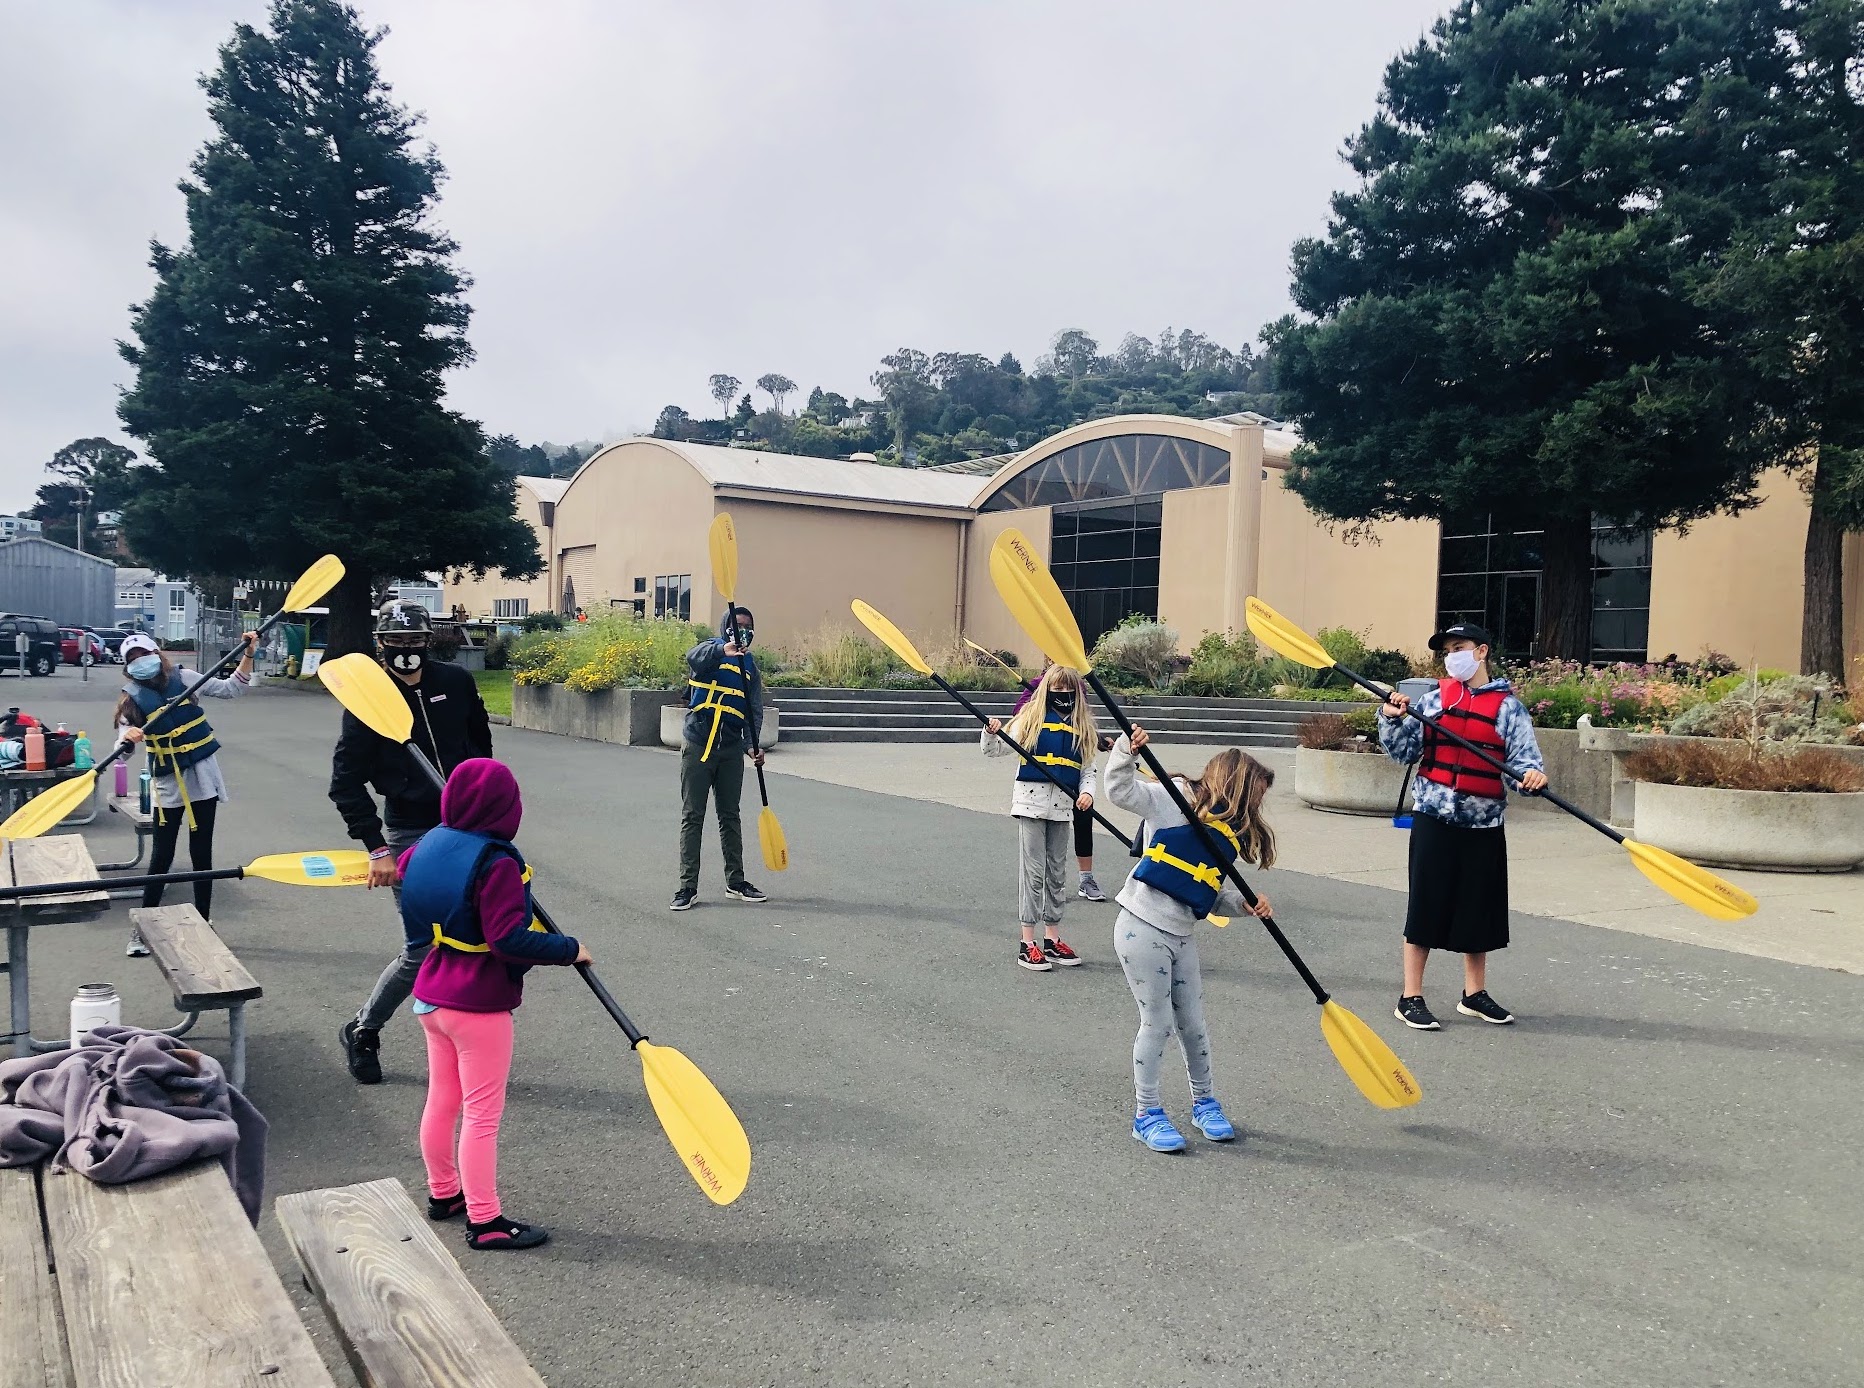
(673, 596)
(1106, 561)
(510, 607)
(1488, 572)
(1134, 465)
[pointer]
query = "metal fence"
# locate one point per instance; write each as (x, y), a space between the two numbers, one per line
(216, 631)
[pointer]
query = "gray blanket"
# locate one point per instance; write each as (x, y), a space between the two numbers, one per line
(128, 1104)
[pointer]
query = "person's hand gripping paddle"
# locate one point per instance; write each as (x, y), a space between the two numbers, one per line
(335, 867)
(722, 541)
(1030, 592)
(698, 1122)
(1693, 886)
(47, 810)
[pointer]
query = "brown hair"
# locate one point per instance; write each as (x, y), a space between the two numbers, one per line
(1231, 791)
(126, 710)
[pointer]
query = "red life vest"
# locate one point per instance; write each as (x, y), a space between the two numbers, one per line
(1474, 715)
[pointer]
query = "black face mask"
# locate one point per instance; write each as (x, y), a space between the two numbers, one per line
(404, 660)
(1059, 702)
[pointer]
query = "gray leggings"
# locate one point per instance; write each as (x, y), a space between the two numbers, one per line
(1161, 969)
(1043, 869)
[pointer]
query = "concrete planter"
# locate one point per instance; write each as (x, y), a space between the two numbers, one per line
(628, 716)
(1347, 782)
(1769, 830)
(673, 720)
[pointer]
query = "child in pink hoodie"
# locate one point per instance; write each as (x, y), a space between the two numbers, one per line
(466, 891)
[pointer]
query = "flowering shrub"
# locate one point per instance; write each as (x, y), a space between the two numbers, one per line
(1790, 708)
(607, 651)
(1557, 693)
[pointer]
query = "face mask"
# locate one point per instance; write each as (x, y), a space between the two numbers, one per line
(1461, 665)
(1060, 702)
(404, 660)
(144, 667)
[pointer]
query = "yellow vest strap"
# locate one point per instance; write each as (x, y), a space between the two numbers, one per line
(440, 938)
(1206, 873)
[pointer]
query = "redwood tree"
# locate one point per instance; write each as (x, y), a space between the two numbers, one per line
(290, 362)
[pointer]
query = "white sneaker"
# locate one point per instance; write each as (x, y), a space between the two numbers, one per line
(136, 949)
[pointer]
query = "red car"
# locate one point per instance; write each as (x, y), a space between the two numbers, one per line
(73, 640)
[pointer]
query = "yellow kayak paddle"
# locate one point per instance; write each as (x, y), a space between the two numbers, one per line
(1031, 594)
(705, 1133)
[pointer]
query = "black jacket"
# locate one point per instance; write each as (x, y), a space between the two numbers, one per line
(365, 759)
(703, 660)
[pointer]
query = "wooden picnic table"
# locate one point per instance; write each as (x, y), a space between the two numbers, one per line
(25, 863)
(18, 785)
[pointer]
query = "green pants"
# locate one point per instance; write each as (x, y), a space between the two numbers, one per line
(723, 778)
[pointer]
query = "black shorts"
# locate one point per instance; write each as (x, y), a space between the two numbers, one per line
(1459, 887)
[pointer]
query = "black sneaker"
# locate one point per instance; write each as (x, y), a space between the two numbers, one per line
(448, 1207)
(362, 1049)
(744, 891)
(1412, 1012)
(683, 899)
(1031, 957)
(1058, 953)
(504, 1233)
(1480, 1004)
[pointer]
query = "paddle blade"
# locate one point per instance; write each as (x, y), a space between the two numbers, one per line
(894, 638)
(722, 541)
(46, 810)
(340, 867)
(1284, 637)
(698, 1122)
(368, 691)
(313, 583)
(770, 839)
(1367, 1060)
(1028, 589)
(1694, 886)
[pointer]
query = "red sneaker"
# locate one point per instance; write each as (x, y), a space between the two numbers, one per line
(1059, 953)
(1030, 956)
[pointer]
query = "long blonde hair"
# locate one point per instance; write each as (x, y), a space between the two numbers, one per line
(1231, 792)
(1026, 726)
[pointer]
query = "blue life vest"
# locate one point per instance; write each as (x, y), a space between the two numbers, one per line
(1177, 863)
(178, 737)
(1059, 749)
(439, 896)
(725, 693)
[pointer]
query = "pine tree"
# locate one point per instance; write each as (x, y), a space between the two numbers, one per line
(290, 359)
(1507, 315)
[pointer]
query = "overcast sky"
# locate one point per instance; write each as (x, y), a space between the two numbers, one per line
(646, 193)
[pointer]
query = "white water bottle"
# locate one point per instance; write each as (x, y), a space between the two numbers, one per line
(96, 1005)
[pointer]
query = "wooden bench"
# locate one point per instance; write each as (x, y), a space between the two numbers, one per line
(202, 971)
(142, 821)
(405, 1313)
(162, 1282)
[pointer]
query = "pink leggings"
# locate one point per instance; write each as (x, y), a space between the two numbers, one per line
(468, 1062)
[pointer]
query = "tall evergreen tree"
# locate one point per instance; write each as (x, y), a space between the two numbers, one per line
(290, 360)
(1507, 315)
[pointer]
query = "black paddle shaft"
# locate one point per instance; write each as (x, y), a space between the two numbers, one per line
(111, 883)
(1544, 793)
(634, 1034)
(1023, 752)
(1210, 844)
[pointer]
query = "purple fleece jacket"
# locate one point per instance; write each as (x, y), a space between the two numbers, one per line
(482, 798)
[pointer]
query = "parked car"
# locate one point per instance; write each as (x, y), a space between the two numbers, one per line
(45, 651)
(112, 639)
(80, 646)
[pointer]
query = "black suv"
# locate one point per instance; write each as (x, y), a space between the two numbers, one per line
(44, 654)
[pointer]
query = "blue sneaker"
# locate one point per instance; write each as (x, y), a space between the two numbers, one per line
(1208, 1117)
(1155, 1130)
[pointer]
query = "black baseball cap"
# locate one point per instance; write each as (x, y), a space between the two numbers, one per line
(1460, 631)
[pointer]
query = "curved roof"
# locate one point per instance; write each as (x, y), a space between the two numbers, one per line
(545, 488)
(781, 475)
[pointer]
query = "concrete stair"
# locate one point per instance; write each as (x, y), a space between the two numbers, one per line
(929, 715)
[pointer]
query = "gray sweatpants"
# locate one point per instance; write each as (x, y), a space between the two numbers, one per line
(1161, 969)
(1042, 869)
(395, 985)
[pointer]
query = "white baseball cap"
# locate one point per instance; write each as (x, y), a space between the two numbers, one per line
(139, 643)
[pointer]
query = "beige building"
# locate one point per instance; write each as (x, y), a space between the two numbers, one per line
(1178, 518)
(497, 598)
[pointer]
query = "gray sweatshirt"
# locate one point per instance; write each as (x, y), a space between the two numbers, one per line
(1153, 803)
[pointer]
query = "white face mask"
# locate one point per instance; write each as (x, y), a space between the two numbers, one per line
(1461, 665)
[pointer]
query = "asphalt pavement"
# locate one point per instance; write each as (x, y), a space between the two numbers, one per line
(1652, 1179)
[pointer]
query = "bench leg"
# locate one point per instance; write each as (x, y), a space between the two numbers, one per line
(236, 1033)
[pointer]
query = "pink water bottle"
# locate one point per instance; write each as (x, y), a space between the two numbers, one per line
(122, 779)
